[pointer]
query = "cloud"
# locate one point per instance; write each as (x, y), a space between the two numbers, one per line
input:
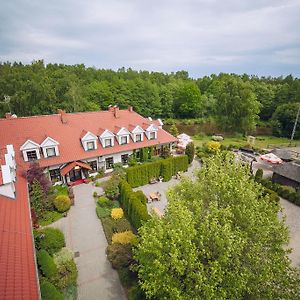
(201, 36)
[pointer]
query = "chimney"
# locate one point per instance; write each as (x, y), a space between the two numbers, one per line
(63, 116)
(8, 116)
(116, 111)
(130, 108)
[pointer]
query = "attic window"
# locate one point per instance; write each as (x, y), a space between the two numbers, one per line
(50, 152)
(107, 143)
(138, 137)
(123, 140)
(31, 155)
(152, 135)
(90, 145)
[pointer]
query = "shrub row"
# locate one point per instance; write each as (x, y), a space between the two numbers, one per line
(166, 168)
(286, 192)
(134, 204)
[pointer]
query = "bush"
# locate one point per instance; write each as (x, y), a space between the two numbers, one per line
(102, 212)
(70, 292)
(111, 187)
(103, 201)
(127, 277)
(259, 175)
(50, 217)
(117, 213)
(190, 152)
(49, 239)
(126, 237)
(49, 291)
(121, 225)
(95, 195)
(166, 170)
(100, 173)
(213, 146)
(67, 274)
(119, 255)
(62, 203)
(136, 293)
(62, 256)
(47, 264)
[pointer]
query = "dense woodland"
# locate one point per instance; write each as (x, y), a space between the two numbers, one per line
(235, 102)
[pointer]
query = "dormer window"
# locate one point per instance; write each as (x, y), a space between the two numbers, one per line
(137, 133)
(106, 138)
(50, 152)
(31, 155)
(152, 136)
(30, 150)
(88, 140)
(123, 140)
(50, 147)
(138, 137)
(122, 135)
(107, 143)
(90, 145)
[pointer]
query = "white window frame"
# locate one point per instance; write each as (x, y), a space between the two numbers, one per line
(49, 148)
(32, 150)
(90, 143)
(121, 138)
(110, 143)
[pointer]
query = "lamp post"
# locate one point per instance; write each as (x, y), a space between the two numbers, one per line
(295, 125)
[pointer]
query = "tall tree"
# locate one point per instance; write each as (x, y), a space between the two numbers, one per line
(220, 238)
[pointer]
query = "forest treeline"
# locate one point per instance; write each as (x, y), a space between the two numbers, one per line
(235, 102)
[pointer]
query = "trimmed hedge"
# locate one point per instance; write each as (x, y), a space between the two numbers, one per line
(133, 204)
(47, 264)
(49, 291)
(142, 174)
(286, 192)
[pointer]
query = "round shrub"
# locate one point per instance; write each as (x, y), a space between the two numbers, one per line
(119, 255)
(46, 263)
(103, 201)
(121, 225)
(62, 203)
(117, 213)
(213, 146)
(126, 237)
(49, 239)
(62, 256)
(49, 291)
(67, 274)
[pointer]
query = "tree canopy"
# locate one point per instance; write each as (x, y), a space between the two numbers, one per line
(220, 238)
(231, 100)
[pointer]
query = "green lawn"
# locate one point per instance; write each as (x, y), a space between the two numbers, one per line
(260, 142)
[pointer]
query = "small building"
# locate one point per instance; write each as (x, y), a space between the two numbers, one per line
(287, 174)
(283, 154)
(183, 140)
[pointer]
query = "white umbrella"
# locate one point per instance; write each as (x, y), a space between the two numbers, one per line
(271, 158)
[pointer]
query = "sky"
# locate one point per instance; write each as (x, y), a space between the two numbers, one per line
(260, 37)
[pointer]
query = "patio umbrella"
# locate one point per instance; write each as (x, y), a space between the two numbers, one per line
(271, 158)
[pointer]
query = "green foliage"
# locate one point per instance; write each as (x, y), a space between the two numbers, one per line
(46, 264)
(102, 212)
(119, 255)
(111, 187)
(119, 170)
(190, 152)
(67, 274)
(100, 173)
(259, 175)
(136, 293)
(133, 204)
(62, 256)
(144, 154)
(49, 239)
(284, 118)
(62, 203)
(50, 217)
(174, 130)
(37, 198)
(49, 291)
(70, 292)
(165, 151)
(220, 238)
(142, 174)
(103, 201)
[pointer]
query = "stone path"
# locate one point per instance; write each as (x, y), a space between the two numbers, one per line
(292, 213)
(84, 234)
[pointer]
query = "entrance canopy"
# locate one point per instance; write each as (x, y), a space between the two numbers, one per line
(66, 169)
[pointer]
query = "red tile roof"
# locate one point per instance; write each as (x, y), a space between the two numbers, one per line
(70, 166)
(17, 131)
(17, 262)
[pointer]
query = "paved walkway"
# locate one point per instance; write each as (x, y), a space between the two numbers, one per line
(162, 187)
(84, 233)
(292, 213)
